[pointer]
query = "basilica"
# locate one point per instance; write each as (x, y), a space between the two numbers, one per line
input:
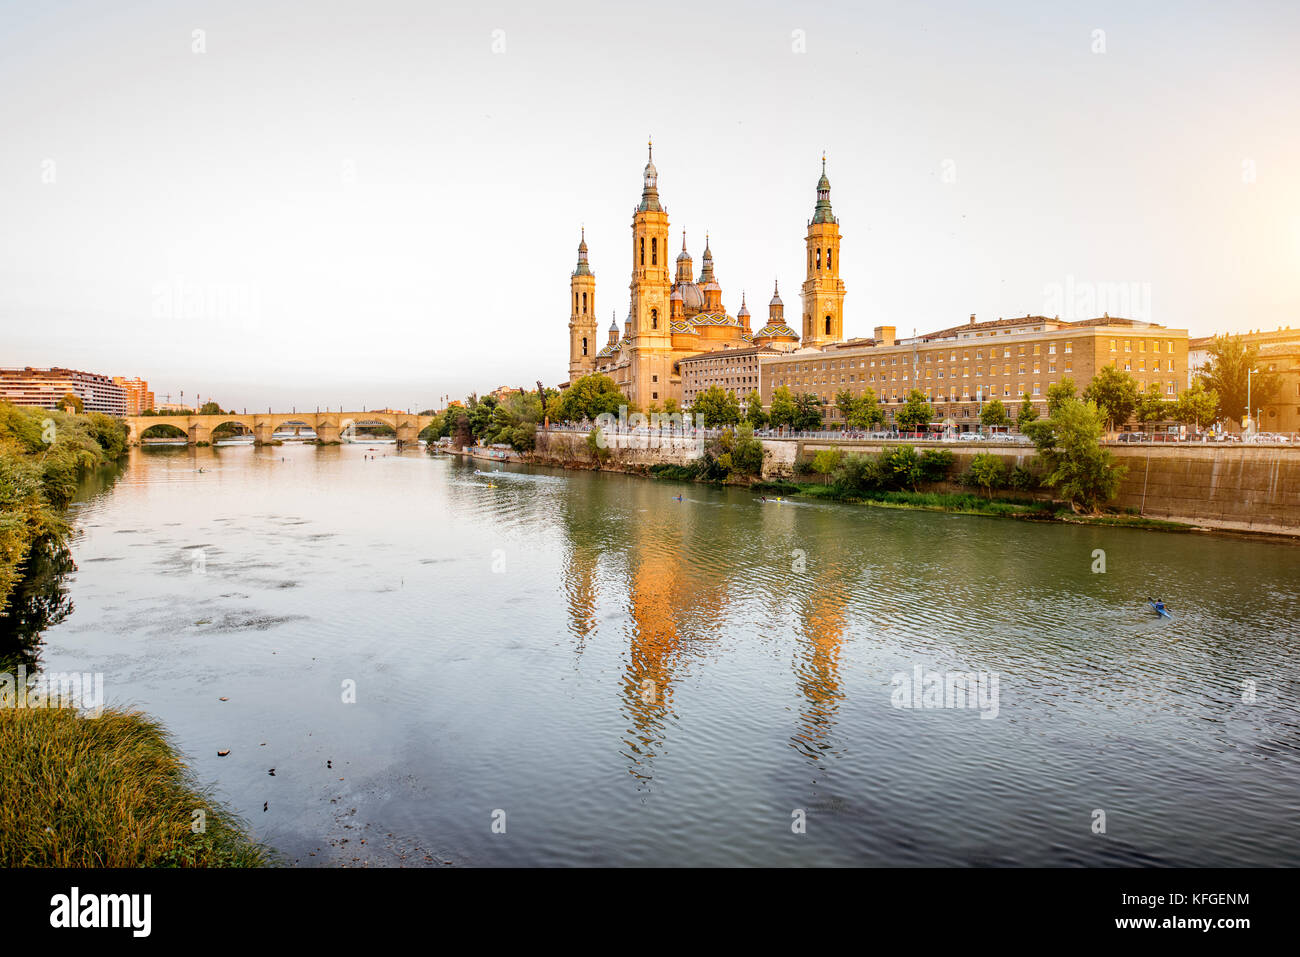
(673, 316)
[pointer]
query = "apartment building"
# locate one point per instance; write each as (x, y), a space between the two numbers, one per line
(960, 368)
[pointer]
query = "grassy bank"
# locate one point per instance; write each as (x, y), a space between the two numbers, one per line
(105, 792)
(967, 503)
(44, 454)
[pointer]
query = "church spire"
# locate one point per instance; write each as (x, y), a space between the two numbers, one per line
(822, 212)
(584, 269)
(650, 191)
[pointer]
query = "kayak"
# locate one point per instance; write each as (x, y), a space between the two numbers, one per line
(1163, 612)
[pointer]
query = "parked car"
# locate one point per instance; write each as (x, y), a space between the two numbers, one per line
(1134, 437)
(970, 437)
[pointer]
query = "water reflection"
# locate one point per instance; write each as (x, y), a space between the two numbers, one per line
(39, 601)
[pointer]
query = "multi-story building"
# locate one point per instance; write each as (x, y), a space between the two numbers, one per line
(138, 397)
(960, 368)
(1279, 351)
(45, 388)
(674, 317)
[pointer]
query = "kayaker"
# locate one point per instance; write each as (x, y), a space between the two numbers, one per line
(1160, 606)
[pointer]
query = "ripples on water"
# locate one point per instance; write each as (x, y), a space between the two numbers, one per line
(636, 680)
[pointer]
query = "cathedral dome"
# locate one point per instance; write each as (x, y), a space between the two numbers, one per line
(692, 297)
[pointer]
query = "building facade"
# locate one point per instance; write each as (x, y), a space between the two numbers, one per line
(138, 397)
(961, 368)
(45, 388)
(674, 316)
(1279, 351)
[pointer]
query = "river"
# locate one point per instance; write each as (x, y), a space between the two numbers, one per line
(567, 668)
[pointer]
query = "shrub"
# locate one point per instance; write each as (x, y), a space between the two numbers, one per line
(857, 474)
(900, 467)
(986, 472)
(935, 464)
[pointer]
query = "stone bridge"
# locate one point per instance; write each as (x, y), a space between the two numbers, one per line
(328, 426)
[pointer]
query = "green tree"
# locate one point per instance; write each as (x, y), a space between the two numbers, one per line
(1197, 406)
(672, 407)
(915, 414)
(1083, 472)
(860, 412)
(1058, 392)
(72, 401)
(209, 408)
(988, 472)
(716, 407)
(1115, 393)
(783, 410)
(827, 461)
(1227, 373)
(747, 451)
(1028, 412)
(590, 396)
(994, 414)
(754, 413)
(935, 464)
(900, 467)
(515, 421)
(808, 412)
(1152, 407)
(857, 473)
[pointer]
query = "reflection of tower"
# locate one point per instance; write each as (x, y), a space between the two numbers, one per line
(654, 643)
(580, 591)
(823, 290)
(818, 667)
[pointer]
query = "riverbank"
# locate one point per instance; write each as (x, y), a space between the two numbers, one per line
(106, 791)
(970, 504)
(44, 454)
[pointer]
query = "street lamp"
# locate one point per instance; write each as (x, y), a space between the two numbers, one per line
(1248, 408)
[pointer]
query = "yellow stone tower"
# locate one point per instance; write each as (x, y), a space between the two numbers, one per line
(582, 317)
(823, 290)
(651, 286)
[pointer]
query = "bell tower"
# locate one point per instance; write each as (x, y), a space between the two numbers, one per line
(651, 280)
(582, 316)
(823, 290)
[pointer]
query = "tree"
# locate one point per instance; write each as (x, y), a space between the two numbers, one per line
(1028, 412)
(783, 410)
(1115, 393)
(590, 396)
(754, 413)
(827, 461)
(1069, 443)
(860, 412)
(1228, 371)
(457, 426)
(480, 415)
(515, 421)
(715, 407)
(994, 415)
(988, 472)
(1152, 407)
(808, 412)
(209, 408)
(672, 407)
(747, 453)
(1058, 392)
(900, 467)
(915, 414)
(72, 401)
(1196, 406)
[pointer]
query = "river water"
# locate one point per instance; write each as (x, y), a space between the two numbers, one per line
(565, 668)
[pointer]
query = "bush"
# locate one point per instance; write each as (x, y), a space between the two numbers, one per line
(747, 455)
(986, 472)
(936, 464)
(1022, 478)
(900, 468)
(857, 474)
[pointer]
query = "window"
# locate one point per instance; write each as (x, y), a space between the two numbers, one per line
(819, 259)
(642, 250)
(654, 318)
(1036, 348)
(1112, 345)
(828, 325)
(584, 303)
(654, 378)
(828, 258)
(584, 345)
(1036, 392)
(1128, 345)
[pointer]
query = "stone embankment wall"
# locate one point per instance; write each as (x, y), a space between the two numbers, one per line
(1239, 487)
(1252, 488)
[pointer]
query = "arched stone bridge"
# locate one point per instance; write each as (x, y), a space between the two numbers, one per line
(328, 426)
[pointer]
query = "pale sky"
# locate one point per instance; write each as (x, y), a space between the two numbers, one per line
(378, 203)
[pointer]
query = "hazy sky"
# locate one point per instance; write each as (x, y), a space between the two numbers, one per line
(379, 202)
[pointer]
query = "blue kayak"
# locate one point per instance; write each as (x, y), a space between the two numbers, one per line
(1160, 611)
